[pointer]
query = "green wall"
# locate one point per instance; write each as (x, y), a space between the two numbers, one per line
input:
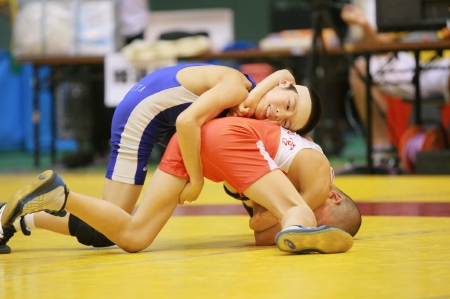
(251, 17)
(5, 32)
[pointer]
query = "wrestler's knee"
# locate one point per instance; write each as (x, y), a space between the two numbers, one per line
(134, 242)
(87, 235)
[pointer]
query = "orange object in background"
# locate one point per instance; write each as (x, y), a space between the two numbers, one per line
(445, 116)
(398, 115)
(258, 71)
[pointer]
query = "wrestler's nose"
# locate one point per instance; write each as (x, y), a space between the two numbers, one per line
(280, 114)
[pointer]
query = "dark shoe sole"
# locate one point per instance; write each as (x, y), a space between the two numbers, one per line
(5, 249)
(15, 205)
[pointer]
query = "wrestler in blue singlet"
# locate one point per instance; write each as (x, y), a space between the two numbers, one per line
(146, 116)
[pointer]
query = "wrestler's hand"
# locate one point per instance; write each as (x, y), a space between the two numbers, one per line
(267, 236)
(191, 191)
(245, 109)
(250, 104)
(262, 219)
(239, 110)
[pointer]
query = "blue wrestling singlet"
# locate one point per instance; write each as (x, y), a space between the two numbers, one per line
(146, 116)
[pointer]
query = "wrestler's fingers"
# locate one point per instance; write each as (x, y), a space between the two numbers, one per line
(262, 221)
(267, 236)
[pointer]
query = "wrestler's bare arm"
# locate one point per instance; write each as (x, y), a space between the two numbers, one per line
(220, 90)
(248, 107)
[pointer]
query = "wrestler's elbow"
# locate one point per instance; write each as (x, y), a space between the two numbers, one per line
(285, 74)
(183, 120)
(186, 124)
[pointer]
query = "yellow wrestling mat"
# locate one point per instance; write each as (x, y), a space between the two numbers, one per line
(213, 256)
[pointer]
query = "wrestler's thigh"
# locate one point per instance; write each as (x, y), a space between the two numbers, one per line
(158, 203)
(121, 194)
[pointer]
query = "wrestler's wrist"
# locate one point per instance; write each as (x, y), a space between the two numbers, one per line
(197, 183)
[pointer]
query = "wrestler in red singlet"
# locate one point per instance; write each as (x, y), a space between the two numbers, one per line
(239, 151)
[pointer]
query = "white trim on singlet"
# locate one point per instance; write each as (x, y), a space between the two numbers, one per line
(265, 154)
(138, 121)
(290, 144)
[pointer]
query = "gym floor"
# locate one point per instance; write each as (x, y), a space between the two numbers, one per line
(206, 250)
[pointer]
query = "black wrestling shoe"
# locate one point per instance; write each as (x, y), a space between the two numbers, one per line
(5, 234)
(8, 233)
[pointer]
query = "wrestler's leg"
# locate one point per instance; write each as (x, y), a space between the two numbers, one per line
(123, 195)
(131, 233)
(299, 233)
(275, 192)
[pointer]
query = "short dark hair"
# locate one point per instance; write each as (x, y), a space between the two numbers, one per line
(347, 215)
(316, 112)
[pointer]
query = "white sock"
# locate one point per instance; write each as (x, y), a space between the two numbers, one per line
(29, 222)
(292, 227)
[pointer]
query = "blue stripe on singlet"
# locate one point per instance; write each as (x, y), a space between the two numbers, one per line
(160, 127)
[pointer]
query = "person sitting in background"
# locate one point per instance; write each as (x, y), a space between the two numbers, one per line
(391, 74)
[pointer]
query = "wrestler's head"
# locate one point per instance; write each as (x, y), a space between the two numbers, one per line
(339, 210)
(295, 107)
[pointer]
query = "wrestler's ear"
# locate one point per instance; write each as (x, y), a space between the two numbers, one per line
(335, 197)
(284, 83)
